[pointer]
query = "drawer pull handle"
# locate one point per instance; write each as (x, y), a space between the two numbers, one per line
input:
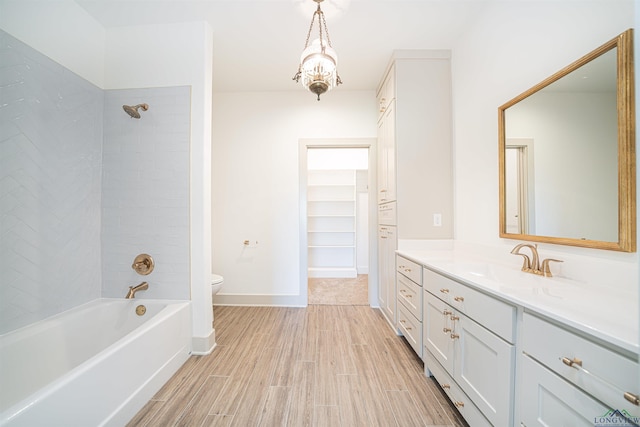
(633, 398)
(401, 267)
(459, 404)
(444, 291)
(447, 312)
(403, 321)
(446, 386)
(409, 296)
(455, 336)
(454, 318)
(409, 328)
(407, 269)
(459, 299)
(446, 330)
(571, 362)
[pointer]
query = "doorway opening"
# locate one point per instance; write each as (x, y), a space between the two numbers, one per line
(335, 183)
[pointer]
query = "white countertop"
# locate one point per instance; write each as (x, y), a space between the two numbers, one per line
(608, 316)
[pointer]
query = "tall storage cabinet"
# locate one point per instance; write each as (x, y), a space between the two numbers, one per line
(415, 191)
(331, 221)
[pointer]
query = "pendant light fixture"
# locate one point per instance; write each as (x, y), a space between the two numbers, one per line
(318, 62)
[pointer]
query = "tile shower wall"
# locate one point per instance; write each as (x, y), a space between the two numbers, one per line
(145, 192)
(50, 179)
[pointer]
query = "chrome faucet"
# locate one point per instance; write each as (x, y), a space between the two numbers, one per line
(533, 265)
(133, 289)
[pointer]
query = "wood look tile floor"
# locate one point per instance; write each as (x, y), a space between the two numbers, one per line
(323, 365)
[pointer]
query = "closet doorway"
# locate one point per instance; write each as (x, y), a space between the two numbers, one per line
(337, 231)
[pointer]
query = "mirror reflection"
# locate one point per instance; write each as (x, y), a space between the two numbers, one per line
(562, 156)
(566, 155)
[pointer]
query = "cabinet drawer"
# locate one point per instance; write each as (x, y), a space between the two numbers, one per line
(548, 400)
(411, 329)
(410, 295)
(495, 315)
(387, 213)
(605, 374)
(410, 269)
(467, 409)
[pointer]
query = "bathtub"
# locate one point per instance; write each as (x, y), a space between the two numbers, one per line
(94, 365)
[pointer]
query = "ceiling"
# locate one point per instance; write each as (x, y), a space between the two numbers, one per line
(257, 43)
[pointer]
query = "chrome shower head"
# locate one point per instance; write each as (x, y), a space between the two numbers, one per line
(133, 110)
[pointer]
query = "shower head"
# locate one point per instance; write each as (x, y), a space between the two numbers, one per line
(133, 110)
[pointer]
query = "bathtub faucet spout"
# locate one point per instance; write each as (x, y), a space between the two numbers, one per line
(133, 289)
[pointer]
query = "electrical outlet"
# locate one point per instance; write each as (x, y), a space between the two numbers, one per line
(437, 220)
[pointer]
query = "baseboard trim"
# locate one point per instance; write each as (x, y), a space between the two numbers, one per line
(201, 346)
(261, 300)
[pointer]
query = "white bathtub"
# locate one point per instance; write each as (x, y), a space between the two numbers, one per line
(94, 365)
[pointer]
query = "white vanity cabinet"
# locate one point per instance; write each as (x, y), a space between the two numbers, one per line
(409, 297)
(469, 342)
(567, 377)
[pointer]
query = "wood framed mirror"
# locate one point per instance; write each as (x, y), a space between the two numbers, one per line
(567, 154)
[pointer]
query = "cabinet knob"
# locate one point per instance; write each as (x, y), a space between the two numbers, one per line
(459, 299)
(446, 330)
(633, 398)
(571, 362)
(455, 336)
(444, 291)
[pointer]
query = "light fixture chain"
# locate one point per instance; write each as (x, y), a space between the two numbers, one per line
(326, 30)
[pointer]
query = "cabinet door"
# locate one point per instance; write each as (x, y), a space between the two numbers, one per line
(437, 329)
(383, 242)
(387, 271)
(390, 259)
(390, 148)
(484, 369)
(382, 162)
(547, 400)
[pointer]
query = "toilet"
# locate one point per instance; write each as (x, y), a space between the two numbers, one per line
(216, 284)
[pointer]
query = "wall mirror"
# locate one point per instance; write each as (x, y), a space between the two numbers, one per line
(567, 154)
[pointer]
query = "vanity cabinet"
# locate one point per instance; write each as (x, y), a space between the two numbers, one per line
(409, 297)
(469, 342)
(569, 377)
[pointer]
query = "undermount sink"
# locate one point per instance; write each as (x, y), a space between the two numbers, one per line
(512, 280)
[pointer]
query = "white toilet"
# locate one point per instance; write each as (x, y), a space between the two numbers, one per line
(216, 284)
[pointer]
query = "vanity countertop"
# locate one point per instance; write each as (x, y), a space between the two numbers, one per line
(610, 317)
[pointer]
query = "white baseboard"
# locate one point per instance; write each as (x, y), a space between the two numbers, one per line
(202, 346)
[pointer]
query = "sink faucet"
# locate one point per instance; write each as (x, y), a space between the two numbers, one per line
(529, 265)
(133, 289)
(533, 265)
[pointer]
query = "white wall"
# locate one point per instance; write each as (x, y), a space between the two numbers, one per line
(255, 161)
(509, 48)
(61, 30)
